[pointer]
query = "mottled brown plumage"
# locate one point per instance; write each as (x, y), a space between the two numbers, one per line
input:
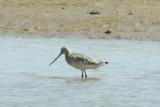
(80, 61)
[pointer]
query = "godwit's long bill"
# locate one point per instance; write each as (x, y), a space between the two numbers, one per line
(79, 61)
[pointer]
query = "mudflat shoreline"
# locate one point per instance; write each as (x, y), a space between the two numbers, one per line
(119, 19)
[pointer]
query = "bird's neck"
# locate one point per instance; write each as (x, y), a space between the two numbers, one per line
(67, 54)
(67, 57)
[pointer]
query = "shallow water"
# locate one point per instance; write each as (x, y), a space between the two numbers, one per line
(131, 79)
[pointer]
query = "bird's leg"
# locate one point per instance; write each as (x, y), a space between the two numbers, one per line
(85, 74)
(82, 74)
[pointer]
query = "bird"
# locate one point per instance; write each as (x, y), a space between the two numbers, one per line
(79, 61)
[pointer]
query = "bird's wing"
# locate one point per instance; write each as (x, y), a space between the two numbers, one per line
(83, 59)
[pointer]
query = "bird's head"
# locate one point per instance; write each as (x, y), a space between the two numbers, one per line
(64, 50)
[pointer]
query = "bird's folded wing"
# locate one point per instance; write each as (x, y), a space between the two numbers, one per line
(83, 59)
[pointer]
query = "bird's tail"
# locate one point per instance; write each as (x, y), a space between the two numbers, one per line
(103, 63)
(106, 62)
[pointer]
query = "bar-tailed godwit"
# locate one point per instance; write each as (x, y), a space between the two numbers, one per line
(79, 61)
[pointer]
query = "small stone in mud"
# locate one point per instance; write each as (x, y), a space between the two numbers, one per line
(107, 32)
(62, 7)
(130, 13)
(25, 29)
(94, 12)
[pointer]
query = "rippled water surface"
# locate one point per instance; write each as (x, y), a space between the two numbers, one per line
(131, 79)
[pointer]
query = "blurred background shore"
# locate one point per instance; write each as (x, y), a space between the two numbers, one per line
(118, 19)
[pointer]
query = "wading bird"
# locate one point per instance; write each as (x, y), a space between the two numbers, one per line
(79, 61)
